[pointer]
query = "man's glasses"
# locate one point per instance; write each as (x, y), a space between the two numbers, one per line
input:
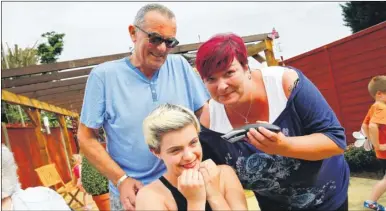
(157, 39)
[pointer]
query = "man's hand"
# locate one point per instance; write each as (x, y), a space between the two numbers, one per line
(211, 175)
(128, 190)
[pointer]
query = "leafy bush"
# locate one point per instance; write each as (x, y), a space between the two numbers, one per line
(360, 160)
(93, 181)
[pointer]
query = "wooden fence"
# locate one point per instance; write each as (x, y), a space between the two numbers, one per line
(342, 70)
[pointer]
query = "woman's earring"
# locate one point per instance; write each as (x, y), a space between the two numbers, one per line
(249, 77)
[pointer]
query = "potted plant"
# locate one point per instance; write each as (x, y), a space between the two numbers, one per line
(96, 185)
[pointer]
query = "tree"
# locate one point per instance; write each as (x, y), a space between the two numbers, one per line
(50, 51)
(359, 15)
(14, 58)
(18, 57)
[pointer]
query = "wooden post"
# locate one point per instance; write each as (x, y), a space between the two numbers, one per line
(6, 137)
(66, 138)
(21, 115)
(259, 58)
(75, 125)
(34, 115)
(63, 125)
(270, 57)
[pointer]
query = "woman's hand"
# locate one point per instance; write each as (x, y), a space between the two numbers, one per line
(191, 185)
(268, 142)
(211, 175)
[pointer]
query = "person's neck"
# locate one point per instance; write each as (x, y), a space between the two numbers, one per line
(146, 71)
(6, 203)
(172, 179)
(380, 101)
(253, 97)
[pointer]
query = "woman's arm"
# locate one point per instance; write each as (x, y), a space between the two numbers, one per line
(323, 135)
(222, 187)
(234, 193)
(142, 200)
(314, 147)
(233, 197)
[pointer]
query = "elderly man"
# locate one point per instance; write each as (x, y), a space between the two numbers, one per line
(15, 198)
(121, 93)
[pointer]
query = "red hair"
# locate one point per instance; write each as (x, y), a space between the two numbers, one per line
(218, 53)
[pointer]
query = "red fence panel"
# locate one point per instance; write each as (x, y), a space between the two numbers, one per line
(342, 70)
(57, 152)
(72, 141)
(25, 147)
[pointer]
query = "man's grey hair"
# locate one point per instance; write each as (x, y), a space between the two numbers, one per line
(9, 179)
(167, 118)
(140, 17)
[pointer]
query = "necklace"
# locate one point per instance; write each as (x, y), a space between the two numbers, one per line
(249, 109)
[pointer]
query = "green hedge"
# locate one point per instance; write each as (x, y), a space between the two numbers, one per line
(360, 160)
(93, 182)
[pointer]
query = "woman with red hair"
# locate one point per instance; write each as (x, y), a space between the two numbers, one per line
(302, 167)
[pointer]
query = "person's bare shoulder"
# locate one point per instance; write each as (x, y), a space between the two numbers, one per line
(227, 173)
(153, 192)
(224, 169)
(205, 116)
(290, 80)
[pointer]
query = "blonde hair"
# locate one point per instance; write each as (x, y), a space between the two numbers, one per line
(377, 83)
(166, 118)
(75, 158)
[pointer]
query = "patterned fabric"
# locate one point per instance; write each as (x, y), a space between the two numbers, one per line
(115, 203)
(373, 206)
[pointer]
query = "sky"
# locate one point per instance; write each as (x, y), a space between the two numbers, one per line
(100, 28)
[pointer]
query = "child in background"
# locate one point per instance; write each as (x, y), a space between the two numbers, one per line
(77, 165)
(374, 127)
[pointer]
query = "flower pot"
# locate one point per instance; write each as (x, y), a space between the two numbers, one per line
(102, 201)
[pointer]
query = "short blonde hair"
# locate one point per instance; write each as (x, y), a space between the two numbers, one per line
(377, 83)
(166, 118)
(75, 158)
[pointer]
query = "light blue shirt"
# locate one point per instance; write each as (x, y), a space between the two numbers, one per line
(118, 97)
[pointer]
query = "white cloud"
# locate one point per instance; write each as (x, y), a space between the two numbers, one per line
(100, 28)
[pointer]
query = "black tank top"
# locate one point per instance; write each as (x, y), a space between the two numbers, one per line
(181, 202)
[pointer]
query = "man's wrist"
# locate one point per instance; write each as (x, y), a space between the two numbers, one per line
(121, 179)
